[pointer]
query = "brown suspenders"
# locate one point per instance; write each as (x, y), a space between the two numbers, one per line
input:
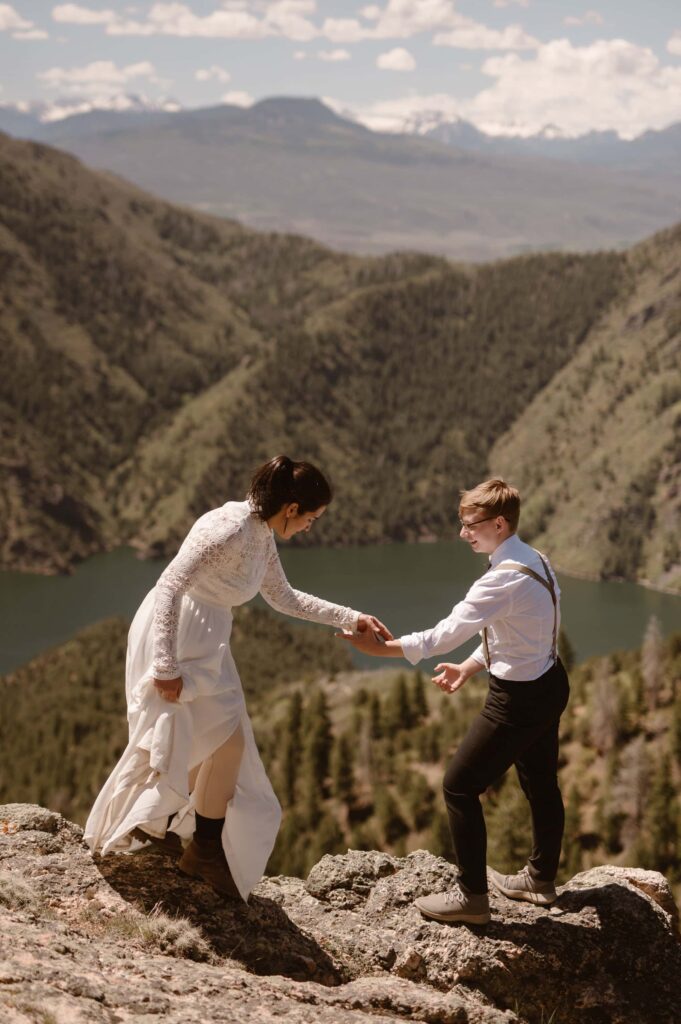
(548, 583)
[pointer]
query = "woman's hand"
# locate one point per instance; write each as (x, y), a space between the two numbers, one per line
(371, 623)
(370, 641)
(169, 689)
(451, 677)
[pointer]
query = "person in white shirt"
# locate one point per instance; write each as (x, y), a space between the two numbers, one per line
(515, 606)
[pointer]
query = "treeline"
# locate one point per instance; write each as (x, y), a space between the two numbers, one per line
(357, 758)
(365, 771)
(63, 716)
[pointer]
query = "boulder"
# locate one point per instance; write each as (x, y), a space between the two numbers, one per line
(129, 938)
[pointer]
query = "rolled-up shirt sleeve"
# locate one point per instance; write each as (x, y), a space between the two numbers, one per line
(486, 601)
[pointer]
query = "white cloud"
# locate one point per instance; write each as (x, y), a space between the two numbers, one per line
(10, 21)
(610, 84)
(300, 55)
(74, 14)
(402, 19)
(472, 36)
(246, 19)
(31, 33)
(334, 55)
(238, 99)
(588, 18)
(398, 59)
(233, 20)
(674, 43)
(97, 78)
(212, 73)
(507, 3)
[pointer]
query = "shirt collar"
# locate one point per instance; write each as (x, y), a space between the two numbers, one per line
(505, 550)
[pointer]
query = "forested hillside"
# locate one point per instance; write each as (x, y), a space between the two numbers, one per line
(597, 453)
(156, 356)
(357, 758)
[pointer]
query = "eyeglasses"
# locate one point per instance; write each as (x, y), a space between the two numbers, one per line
(476, 522)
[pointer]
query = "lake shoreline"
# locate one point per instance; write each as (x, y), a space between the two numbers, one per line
(145, 555)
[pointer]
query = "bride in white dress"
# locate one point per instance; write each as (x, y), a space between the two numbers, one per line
(191, 769)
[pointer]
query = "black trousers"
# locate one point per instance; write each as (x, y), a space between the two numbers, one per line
(517, 726)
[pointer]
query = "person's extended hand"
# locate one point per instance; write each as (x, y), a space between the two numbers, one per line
(451, 677)
(370, 622)
(169, 689)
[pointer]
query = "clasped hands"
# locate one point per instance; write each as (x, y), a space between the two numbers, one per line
(370, 637)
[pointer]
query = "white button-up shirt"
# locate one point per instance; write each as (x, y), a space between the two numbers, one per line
(516, 609)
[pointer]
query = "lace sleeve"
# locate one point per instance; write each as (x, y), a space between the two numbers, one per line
(279, 593)
(200, 549)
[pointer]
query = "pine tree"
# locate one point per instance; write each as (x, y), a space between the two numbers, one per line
(630, 789)
(652, 662)
(342, 771)
(440, 840)
(675, 737)
(419, 702)
(398, 711)
(388, 817)
(509, 828)
(375, 718)
(318, 739)
(291, 753)
(420, 800)
(662, 820)
(604, 706)
(572, 851)
(327, 838)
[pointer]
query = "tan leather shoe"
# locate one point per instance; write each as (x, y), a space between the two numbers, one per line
(457, 905)
(205, 859)
(522, 886)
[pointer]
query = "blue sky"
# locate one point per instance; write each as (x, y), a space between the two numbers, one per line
(512, 66)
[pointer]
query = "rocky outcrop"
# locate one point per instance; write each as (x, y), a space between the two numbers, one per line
(128, 938)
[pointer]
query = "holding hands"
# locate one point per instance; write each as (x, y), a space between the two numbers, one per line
(372, 637)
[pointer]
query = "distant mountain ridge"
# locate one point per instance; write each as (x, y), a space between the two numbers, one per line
(653, 152)
(291, 164)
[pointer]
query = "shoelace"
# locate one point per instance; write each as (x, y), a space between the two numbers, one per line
(455, 895)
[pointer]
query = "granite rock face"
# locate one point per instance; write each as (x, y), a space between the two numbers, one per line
(128, 938)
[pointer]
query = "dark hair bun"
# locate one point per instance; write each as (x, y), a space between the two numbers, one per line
(282, 481)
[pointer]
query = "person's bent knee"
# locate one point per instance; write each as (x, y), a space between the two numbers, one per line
(459, 784)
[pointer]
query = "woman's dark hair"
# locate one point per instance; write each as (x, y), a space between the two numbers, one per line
(281, 481)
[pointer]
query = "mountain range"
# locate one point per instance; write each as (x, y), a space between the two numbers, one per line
(155, 356)
(294, 165)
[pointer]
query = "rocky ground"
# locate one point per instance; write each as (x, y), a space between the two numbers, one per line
(128, 938)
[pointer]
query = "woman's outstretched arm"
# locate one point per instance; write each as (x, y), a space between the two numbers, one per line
(279, 593)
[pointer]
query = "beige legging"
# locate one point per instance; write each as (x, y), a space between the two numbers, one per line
(214, 780)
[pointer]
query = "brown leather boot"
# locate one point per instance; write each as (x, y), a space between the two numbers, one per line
(205, 859)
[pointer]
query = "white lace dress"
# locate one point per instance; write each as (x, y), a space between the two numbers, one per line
(182, 628)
